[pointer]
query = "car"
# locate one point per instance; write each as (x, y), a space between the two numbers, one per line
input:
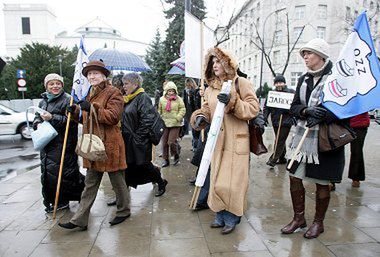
(13, 122)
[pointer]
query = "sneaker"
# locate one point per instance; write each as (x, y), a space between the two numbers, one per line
(63, 206)
(282, 161)
(49, 209)
(165, 163)
(176, 159)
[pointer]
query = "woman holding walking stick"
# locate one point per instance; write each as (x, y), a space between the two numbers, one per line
(311, 164)
(230, 159)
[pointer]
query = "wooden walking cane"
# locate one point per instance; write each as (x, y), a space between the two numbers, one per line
(277, 136)
(197, 189)
(62, 160)
(298, 148)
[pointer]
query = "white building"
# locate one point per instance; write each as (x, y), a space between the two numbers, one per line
(27, 23)
(330, 20)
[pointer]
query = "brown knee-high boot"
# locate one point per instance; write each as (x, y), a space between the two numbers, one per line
(322, 203)
(297, 192)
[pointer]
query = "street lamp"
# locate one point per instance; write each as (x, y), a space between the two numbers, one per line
(262, 50)
(60, 59)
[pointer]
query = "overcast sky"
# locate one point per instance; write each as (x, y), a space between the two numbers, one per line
(135, 19)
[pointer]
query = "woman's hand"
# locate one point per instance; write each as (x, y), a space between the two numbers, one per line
(46, 116)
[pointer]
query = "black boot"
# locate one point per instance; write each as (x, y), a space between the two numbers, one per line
(176, 159)
(165, 163)
(161, 188)
(70, 225)
(118, 220)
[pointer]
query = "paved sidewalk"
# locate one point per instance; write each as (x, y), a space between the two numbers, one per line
(165, 227)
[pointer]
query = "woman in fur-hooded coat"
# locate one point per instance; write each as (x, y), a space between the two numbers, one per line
(230, 160)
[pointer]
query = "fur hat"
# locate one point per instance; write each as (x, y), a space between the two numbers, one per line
(52, 76)
(228, 62)
(96, 65)
(279, 78)
(317, 46)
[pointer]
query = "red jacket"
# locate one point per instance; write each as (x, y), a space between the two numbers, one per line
(360, 121)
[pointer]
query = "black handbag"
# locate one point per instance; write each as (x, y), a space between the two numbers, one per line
(157, 129)
(332, 136)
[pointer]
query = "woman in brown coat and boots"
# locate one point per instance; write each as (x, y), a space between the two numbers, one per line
(230, 159)
(108, 104)
(311, 164)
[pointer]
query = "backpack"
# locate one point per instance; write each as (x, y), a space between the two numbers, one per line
(157, 129)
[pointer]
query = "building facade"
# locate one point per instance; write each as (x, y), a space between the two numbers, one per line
(273, 22)
(27, 23)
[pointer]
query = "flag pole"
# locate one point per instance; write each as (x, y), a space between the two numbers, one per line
(277, 136)
(197, 189)
(298, 148)
(62, 160)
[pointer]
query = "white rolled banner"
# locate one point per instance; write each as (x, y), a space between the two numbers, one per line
(212, 137)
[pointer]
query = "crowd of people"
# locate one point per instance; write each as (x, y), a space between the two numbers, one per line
(124, 114)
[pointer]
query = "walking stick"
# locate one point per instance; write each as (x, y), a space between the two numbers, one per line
(62, 161)
(277, 136)
(298, 148)
(153, 153)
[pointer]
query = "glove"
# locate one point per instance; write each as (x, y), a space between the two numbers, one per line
(199, 121)
(312, 121)
(71, 108)
(84, 105)
(224, 98)
(316, 112)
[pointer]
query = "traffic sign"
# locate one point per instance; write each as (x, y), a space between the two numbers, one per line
(22, 89)
(21, 82)
(21, 74)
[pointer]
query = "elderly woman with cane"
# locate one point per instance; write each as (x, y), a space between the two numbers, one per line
(108, 104)
(311, 164)
(230, 160)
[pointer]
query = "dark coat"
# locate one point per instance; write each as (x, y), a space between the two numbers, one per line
(72, 182)
(192, 101)
(331, 163)
(288, 119)
(138, 117)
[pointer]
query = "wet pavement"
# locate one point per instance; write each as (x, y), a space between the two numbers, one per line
(165, 227)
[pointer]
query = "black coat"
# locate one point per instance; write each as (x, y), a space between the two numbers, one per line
(138, 117)
(331, 163)
(72, 183)
(192, 101)
(288, 119)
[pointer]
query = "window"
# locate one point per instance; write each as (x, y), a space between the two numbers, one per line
(276, 57)
(25, 23)
(299, 12)
(255, 63)
(294, 78)
(321, 32)
(278, 37)
(249, 63)
(348, 13)
(296, 32)
(322, 11)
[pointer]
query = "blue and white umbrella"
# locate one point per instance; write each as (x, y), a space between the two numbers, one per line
(176, 71)
(120, 60)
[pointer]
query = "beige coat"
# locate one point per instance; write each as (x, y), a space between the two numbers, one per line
(230, 161)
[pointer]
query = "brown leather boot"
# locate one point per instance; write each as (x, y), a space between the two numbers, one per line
(322, 203)
(297, 192)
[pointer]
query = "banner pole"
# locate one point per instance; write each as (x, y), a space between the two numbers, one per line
(298, 148)
(277, 136)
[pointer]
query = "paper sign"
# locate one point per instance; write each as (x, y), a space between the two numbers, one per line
(278, 99)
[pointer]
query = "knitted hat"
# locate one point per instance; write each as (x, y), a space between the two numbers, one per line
(317, 46)
(96, 65)
(52, 76)
(279, 78)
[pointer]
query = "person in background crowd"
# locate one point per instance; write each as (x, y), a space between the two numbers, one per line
(356, 171)
(312, 165)
(230, 160)
(54, 102)
(172, 110)
(108, 104)
(139, 115)
(192, 100)
(287, 122)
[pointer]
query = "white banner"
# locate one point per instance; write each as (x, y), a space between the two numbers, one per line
(278, 99)
(194, 57)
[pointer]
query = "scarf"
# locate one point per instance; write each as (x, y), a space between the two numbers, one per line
(309, 150)
(128, 98)
(169, 99)
(50, 97)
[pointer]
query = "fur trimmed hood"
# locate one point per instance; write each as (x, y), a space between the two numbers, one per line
(228, 62)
